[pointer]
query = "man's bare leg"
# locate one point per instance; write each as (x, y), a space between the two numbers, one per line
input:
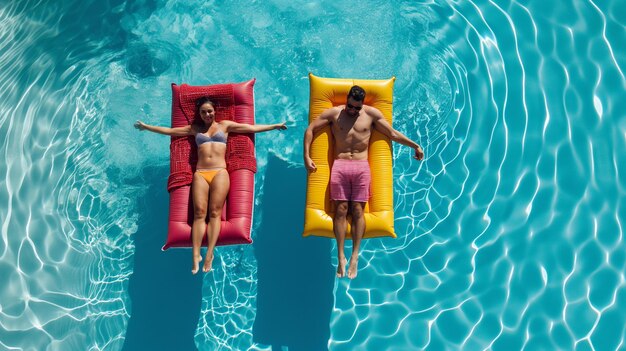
(340, 224)
(358, 228)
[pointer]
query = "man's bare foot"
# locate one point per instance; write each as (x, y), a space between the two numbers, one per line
(208, 262)
(196, 264)
(354, 263)
(341, 267)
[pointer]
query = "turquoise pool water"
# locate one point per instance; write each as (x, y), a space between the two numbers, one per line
(510, 231)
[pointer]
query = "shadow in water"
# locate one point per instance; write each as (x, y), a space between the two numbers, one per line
(165, 296)
(295, 275)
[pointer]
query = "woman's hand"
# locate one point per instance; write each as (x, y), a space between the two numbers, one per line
(140, 125)
(280, 126)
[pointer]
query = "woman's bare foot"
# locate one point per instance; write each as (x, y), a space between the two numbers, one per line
(208, 262)
(196, 264)
(341, 267)
(354, 265)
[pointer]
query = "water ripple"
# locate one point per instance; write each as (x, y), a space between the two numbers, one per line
(510, 231)
(63, 264)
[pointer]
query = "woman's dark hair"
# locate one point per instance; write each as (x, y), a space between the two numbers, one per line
(357, 93)
(201, 101)
(197, 121)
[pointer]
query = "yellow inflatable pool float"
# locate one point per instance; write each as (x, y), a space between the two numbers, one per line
(319, 211)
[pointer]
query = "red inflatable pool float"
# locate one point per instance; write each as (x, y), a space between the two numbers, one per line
(233, 102)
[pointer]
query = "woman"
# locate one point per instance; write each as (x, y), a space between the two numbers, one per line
(210, 181)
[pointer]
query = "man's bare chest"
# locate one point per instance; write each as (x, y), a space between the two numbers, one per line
(352, 127)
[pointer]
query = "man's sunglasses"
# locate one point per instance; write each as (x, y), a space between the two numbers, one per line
(358, 108)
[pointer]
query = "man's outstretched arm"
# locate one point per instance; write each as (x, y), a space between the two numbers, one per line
(317, 124)
(381, 124)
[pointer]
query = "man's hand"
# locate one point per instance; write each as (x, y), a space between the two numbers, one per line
(419, 153)
(309, 164)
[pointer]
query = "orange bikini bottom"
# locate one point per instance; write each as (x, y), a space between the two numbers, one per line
(209, 174)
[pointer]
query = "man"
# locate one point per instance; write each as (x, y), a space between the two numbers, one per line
(351, 125)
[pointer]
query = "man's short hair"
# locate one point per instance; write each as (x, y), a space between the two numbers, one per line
(357, 93)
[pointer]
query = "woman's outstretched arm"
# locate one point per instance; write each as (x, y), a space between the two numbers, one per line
(179, 131)
(251, 128)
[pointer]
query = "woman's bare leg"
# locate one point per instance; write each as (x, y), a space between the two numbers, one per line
(200, 196)
(219, 190)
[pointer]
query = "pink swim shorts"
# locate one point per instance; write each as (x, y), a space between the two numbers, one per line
(350, 180)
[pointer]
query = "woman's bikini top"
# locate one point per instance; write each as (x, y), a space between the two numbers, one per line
(218, 137)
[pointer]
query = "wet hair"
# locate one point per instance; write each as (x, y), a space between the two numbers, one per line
(357, 93)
